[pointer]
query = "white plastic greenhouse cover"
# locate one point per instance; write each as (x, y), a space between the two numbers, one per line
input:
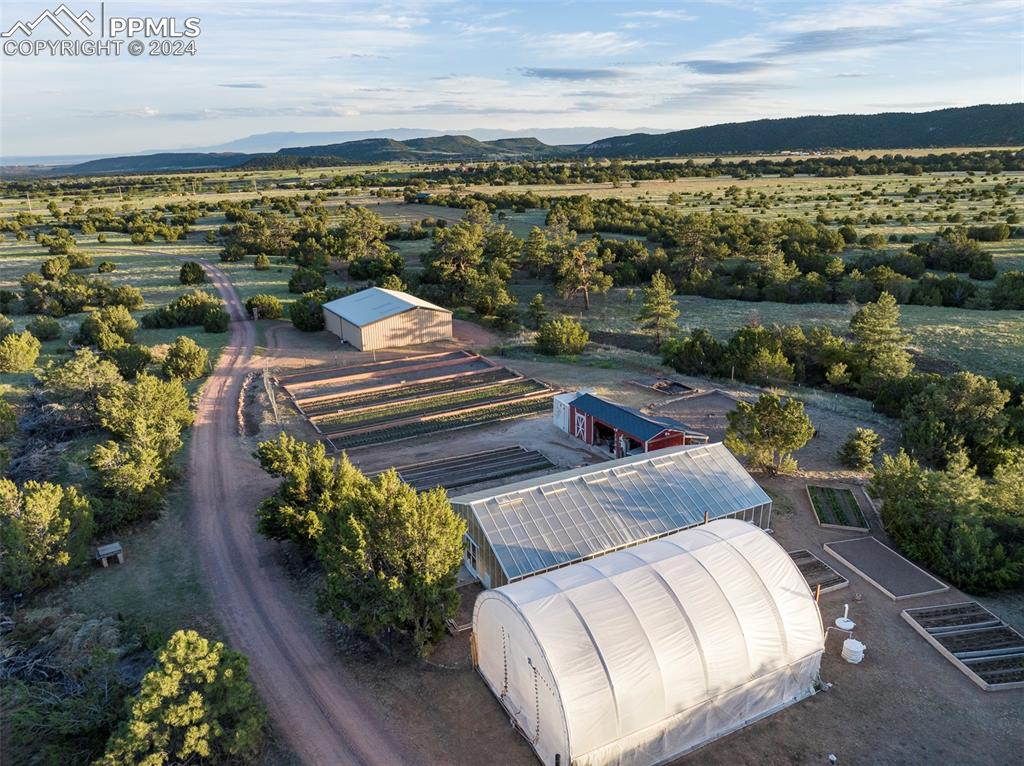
(639, 656)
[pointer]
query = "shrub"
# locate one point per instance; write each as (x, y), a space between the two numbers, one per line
(44, 328)
(18, 352)
(216, 320)
(262, 262)
(860, 450)
(377, 265)
(107, 328)
(185, 310)
(264, 307)
(191, 273)
(46, 530)
(106, 267)
(873, 241)
(232, 253)
(305, 280)
(392, 282)
(130, 359)
(6, 326)
(306, 313)
(185, 360)
(55, 268)
(561, 336)
(769, 432)
(101, 237)
(79, 260)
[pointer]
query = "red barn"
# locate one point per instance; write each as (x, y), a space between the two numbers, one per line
(623, 430)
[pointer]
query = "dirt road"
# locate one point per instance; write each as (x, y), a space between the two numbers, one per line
(324, 715)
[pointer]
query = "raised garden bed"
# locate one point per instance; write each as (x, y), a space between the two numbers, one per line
(983, 647)
(817, 573)
(462, 470)
(402, 392)
(837, 508)
(341, 421)
(477, 417)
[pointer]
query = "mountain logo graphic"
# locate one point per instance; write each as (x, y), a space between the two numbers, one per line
(81, 21)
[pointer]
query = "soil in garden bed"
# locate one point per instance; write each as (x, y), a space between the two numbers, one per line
(477, 417)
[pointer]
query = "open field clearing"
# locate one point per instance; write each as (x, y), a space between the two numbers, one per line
(986, 342)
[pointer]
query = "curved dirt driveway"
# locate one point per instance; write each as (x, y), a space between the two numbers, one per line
(324, 716)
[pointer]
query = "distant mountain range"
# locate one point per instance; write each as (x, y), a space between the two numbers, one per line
(263, 143)
(984, 125)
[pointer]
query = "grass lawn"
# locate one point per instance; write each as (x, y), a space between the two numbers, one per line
(160, 583)
(836, 506)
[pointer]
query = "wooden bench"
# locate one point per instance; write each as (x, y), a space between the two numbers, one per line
(106, 552)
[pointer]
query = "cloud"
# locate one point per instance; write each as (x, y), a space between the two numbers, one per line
(373, 56)
(719, 66)
(585, 43)
(570, 73)
(844, 39)
(242, 85)
(216, 113)
(902, 105)
(469, 30)
(663, 15)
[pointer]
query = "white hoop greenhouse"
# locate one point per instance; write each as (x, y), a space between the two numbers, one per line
(639, 656)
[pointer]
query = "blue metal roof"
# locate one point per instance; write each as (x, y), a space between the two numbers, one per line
(627, 419)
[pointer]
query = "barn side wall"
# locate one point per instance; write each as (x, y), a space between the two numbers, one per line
(332, 322)
(407, 329)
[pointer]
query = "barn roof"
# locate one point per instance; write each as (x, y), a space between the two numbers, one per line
(633, 422)
(543, 523)
(375, 303)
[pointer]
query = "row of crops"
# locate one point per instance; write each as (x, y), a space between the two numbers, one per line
(475, 417)
(411, 391)
(837, 507)
(347, 419)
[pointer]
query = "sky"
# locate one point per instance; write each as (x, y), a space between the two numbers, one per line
(453, 65)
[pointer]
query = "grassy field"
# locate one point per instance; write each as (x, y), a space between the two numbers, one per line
(986, 342)
(160, 583)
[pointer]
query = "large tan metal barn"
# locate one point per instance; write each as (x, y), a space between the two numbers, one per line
(377, 318)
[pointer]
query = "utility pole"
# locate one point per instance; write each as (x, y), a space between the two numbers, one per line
(29, 200)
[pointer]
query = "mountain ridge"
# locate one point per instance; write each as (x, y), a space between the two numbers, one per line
(980, 125)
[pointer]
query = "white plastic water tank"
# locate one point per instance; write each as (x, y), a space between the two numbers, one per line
(853, 651)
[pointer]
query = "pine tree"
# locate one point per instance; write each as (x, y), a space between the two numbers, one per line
(536, 253)
(581, 272)
(537, 311)
(860, 449)
(880, 344)
(659, 311)
(196, 706)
